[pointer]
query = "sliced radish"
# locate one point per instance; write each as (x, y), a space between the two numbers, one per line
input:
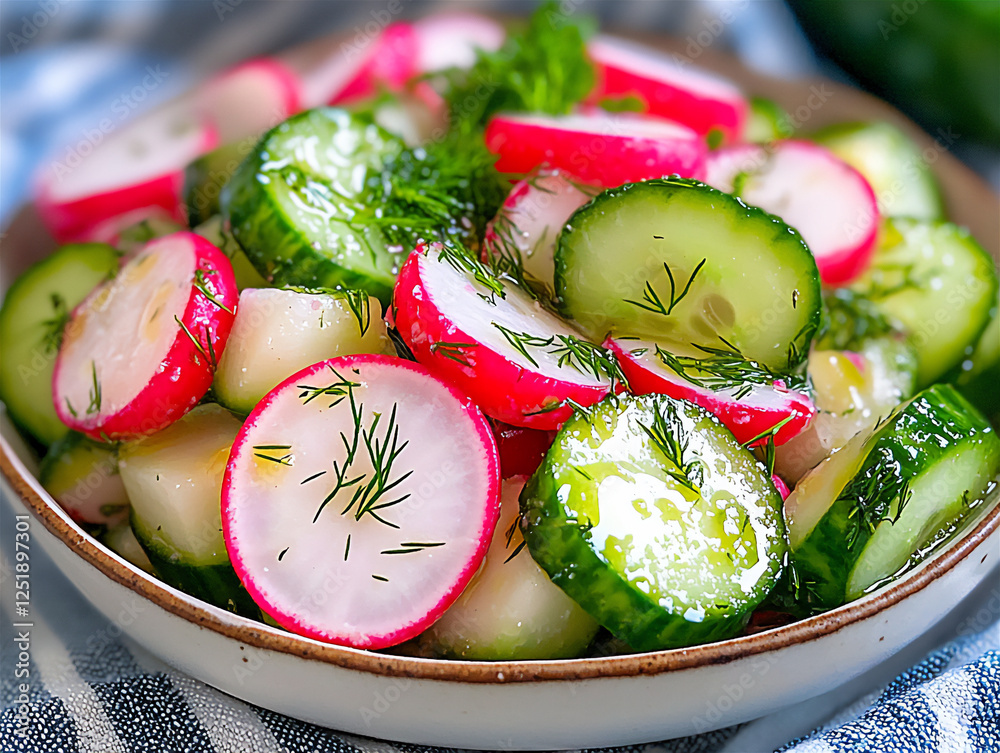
(332, 70)
(359, 500)
(450, 40)
(700, 100)
(140, 167)
(780, 485)
(748, 410)
(603, 148)
(249, 98)
(529, 221)
(825, 199)
(521, 450)
(139, 352)
(517, 360)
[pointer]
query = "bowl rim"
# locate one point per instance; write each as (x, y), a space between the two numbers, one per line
(262, 636)
(953, 176)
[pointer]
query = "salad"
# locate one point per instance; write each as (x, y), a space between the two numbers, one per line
(506, 344)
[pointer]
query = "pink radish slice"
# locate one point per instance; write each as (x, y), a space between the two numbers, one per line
(456, 327)
(249, 98)
(692, 96)
(129, 364)
(760, 409)
(780, 485)
(140, 166)
(824, 198)
(450, 40)
(530, 219)
(603, 148)
(521, 450)
(388, 64)
(345, 563)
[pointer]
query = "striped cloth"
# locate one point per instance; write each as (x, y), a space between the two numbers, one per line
(62, 66)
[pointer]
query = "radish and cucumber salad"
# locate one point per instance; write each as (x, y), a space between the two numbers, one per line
(385, 357)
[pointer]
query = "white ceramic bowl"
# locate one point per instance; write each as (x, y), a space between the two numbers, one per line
(531, 705)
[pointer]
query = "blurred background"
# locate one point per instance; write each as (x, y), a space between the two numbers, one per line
(63, 63)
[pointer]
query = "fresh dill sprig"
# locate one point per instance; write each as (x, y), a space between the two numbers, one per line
(850, 321)
(725, 370)
(56, 326)
(651, 300)
(357, 301)
(339, 389)
(410, 547)
(207, 350)
(454, 351)
(263, 449)
(764, 443)
(585, 357)
(464, 262)
(871, 495)
(370, 488)
(541, 68)
(95, 390)
(201, 283)
(665, 433)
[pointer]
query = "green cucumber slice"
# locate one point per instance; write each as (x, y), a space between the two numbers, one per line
(849, 531)
(742, 279)
(295, 207)
(205, 177)
(174, 478)
(246, 274)
(978, 376)
(82, 476)
(510, 611)
(902, 180)
(662, 553)
(279, 332)
(122, 541)
(938, 283)
(34, 313)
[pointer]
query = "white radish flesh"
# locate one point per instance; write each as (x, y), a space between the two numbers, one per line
(249, 98)
(598, 147)
(279, 332)
(139, 167)
(140, 351)
(511, 610)
(450, 40)
(500, 346)
(529, 221)
(824, 198)
(373, 560)
(695, 97)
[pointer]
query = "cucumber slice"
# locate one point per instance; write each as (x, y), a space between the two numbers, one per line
(34, 313)
(654, 519)
(122, 541)
(978, 376)
(205, 177)
(742, 279)
(294, 203)
(891, 163)
(82, 476)
(939, 283)
(175, 480)
(279, 332)
(510, 611)
(868, 510)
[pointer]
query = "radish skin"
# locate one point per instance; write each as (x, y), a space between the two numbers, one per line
(447, 320)
(126, 367)
(80, 202)
(598, 147)
(530, 219)
(748, 416)
(700, 100)
(825, 199)
(325, 572)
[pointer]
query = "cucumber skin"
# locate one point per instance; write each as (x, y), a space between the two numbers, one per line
(275, 246)
(810, 295)
(205, 177)
(215, 584)
(39, 419)
(824, 560)
(561, 547)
